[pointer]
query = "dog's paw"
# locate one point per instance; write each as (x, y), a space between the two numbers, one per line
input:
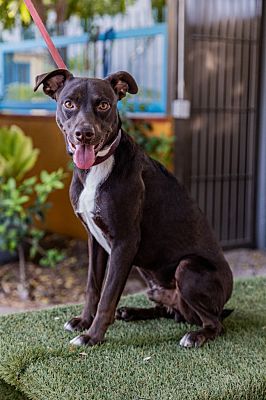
(125, 314)
(84, 340)
(192, 339)
(77, 324)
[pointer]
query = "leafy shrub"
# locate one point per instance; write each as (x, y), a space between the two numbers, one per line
(22, 206)
(158, 147)
(17, 155)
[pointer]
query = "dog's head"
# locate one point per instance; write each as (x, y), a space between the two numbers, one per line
(86, 110)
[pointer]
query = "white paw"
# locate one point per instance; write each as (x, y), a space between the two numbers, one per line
(77, 341)
(186, 341)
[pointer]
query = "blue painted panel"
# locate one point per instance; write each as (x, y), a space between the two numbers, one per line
(51, 106)
(27, 105)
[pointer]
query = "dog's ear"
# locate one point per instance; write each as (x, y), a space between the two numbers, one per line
(122, 82)
(52, 81)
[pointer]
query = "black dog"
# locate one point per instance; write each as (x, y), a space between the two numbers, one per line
(137, 213)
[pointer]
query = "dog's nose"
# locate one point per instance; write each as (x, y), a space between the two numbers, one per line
(83, 135)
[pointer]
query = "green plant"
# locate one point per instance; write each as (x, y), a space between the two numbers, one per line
(22, 206)
(17, 155)
(12, 10)
(158, 147)
(159, 7)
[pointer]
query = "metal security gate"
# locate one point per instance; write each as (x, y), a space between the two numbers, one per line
(222, 67)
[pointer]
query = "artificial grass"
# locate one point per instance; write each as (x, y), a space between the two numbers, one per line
(140, 360)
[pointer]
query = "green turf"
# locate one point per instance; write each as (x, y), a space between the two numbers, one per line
(36, 358)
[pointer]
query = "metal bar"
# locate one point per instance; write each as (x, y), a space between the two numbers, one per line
(181, 50)
(164, 94)
(222, 101)
(217, 146)
(254, 118)
(248, 150)
(202, 134)
(259, 51)
(160, 28)
(243, 130)
(233, 184)
(31, 44)
(171, 52)
(261, 188)
(63, 41)
(208, 100)
(237, 199)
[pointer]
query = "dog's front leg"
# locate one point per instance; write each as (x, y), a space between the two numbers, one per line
(96, 271)
(121, 260)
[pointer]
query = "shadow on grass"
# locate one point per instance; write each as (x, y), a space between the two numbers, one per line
(8, 392)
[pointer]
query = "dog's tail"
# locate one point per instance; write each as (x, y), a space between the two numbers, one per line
(226, 312)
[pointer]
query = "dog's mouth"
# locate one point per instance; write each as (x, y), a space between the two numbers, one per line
(84, 155)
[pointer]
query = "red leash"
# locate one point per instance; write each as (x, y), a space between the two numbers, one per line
(51, 47)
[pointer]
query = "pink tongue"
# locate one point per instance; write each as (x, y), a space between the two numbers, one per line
(84, 156)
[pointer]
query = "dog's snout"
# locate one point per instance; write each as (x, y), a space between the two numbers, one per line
(84, 133)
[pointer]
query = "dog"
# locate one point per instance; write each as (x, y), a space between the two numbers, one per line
(136, 214)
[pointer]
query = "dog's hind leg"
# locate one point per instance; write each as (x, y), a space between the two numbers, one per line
(202, 295)
(161, 310)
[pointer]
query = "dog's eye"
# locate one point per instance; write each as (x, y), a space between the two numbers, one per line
(103, 106)
(69, 104)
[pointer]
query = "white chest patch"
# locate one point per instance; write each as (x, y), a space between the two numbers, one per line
(87, 199)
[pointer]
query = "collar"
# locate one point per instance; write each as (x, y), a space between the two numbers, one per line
(105, 153)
